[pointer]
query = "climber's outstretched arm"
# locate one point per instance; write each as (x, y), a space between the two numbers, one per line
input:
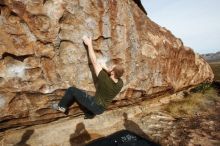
(96, 65)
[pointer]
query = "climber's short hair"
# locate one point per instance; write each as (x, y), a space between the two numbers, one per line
(118, 70)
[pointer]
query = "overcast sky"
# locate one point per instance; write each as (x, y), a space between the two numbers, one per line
(196, 22)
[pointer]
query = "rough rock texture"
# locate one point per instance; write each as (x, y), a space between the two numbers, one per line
(151, 120)
(42, 54)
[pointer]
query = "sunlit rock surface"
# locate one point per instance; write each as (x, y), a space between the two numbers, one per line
(42, 54)
(177, 120)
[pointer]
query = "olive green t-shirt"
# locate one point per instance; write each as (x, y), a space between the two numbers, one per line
(107, 89)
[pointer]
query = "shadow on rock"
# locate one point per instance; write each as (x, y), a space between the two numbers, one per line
(132, 136)
(80, 136)
(25, 138)
(133, 127)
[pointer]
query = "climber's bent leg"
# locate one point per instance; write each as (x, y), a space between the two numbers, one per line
(67, 99)
(89, 103)
(81, 97)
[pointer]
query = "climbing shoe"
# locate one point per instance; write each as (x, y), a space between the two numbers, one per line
(57, 107)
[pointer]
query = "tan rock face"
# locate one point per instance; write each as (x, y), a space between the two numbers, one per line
(42, 54)
(188, 121)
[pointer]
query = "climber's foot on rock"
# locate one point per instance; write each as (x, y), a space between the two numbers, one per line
(89, 116)
(55, 106)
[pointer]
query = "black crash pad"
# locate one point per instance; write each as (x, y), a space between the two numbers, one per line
(122, 138)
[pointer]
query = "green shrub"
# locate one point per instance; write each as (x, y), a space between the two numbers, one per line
(201, 88)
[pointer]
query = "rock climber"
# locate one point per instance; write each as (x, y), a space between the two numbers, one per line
(109, 84)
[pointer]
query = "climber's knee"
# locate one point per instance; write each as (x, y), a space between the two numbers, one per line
(71, 89)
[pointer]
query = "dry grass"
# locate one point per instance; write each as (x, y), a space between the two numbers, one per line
(194, 103)
(202, 100)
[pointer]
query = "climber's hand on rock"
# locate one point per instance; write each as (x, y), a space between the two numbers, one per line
(87, 40)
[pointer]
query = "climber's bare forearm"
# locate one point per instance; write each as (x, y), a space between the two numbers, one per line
(92, 54)
(96, 65)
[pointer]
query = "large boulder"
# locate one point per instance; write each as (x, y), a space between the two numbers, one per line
(176, 120)
(42, 54)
